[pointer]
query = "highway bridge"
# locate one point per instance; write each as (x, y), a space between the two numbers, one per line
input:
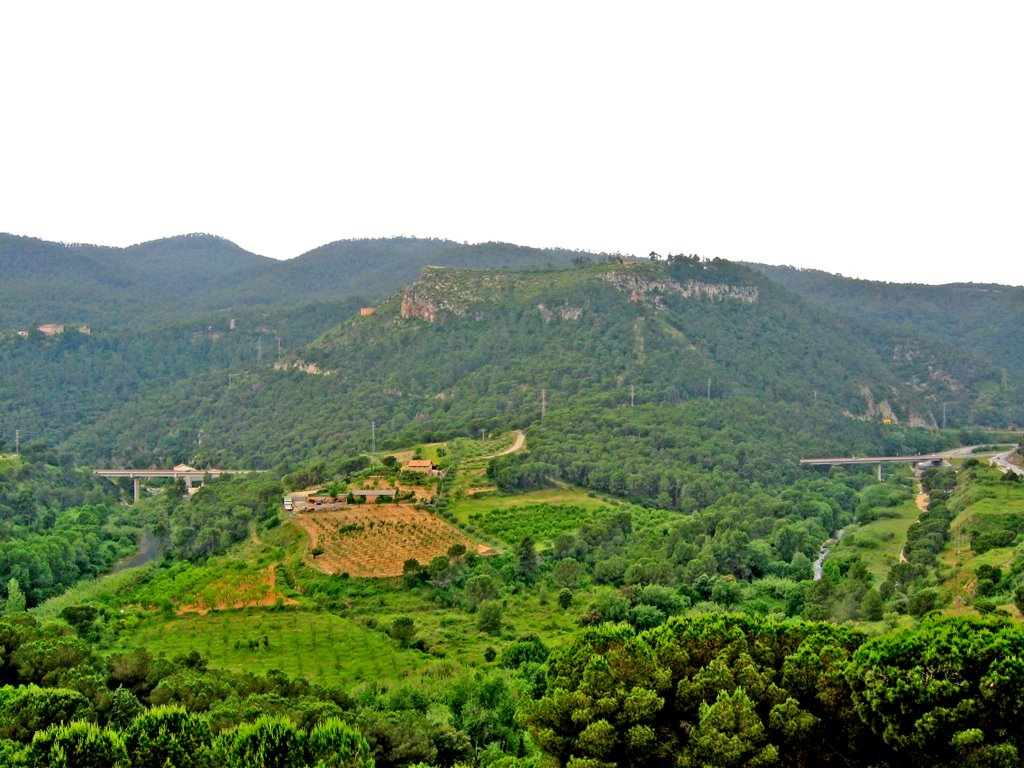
(926, 458)
(190, 475)
(917, 459)
(920, 458)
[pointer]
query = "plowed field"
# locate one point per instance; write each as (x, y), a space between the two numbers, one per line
(375, 540)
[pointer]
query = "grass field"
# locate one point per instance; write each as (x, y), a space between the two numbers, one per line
(471, 458)
(988, 502)
(319, 646)
(454, 635)
(880, 541)
(472, 505)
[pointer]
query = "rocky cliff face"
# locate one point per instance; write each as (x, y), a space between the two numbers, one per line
(646, 289)
(442, 291)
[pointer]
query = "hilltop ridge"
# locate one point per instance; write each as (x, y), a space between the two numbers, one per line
(459, 350)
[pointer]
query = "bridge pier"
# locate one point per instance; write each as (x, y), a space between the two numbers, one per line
(879, 471)
(137, 488)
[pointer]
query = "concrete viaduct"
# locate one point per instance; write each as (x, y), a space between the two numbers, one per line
(925, 458)
(184, 472)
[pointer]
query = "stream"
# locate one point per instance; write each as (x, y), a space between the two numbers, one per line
(149, 550)
(823, 553)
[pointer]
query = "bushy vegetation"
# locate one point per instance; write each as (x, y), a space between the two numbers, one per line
(57, 524)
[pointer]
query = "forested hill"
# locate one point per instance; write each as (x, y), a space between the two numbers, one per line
(371, 268)
(174, 279)
(987, 319)
(461, 350)
(46, 282)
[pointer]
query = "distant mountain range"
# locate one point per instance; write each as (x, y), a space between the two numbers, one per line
(202, 351)
(176, 278)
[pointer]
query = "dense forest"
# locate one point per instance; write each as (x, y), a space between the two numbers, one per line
(178, 278)
(461, 350)
(989, 315)
(52, 387)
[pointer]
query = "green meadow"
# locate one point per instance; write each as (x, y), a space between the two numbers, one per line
(319, 646)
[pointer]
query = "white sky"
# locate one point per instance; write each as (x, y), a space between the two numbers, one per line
(875, 139)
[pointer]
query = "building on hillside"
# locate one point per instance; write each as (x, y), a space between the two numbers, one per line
(366, 311)
(51, 329)
(85, 330)
(424, 466)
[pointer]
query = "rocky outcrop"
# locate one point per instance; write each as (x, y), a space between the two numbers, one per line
(644, 289)
(448, 291)
(301, 365)
(563, 313)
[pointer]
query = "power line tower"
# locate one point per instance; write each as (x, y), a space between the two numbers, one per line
(632, 395)
(259, 351)
(373, 437)
(543, 403)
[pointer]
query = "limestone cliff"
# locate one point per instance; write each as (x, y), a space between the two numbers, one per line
(644, 288)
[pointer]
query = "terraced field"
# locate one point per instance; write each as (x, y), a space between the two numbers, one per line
(375, 540)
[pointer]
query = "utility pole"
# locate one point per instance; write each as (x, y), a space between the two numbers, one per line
(815, 395)
(709, 388)
(632, 394)
(17, 441)
(259, 351)
(279, 346)
(543, 403)
(373, 436)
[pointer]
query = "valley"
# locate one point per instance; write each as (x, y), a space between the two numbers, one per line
(520, 518)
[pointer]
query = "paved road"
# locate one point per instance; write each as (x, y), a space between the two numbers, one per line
(1001, 461)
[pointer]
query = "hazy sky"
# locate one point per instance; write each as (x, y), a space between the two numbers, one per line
(875, 139)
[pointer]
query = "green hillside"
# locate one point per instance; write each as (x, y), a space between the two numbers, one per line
(47, 282)
(986, 319)
(370, 268)
(461, 350)
(53, 387)
(178, 278)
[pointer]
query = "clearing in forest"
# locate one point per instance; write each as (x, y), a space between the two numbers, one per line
(375, 540)
(879, 542)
